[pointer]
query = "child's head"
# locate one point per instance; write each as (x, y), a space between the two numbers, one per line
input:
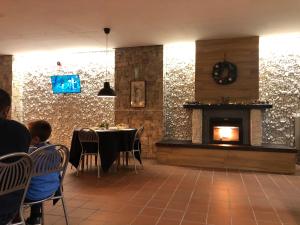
(40, 131)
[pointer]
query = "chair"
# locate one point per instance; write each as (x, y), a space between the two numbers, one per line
(15, 175)
(135, 149)
(88, 136)
(49, 159)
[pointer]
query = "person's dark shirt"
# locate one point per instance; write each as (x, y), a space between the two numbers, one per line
(14, 137)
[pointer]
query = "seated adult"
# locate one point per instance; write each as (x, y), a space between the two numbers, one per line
(40, 187)
(14, 137)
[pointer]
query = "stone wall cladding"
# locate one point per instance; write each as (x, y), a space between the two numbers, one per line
(279, 82)
(256, 127)
(6, 72)
(141, 63)
(33, 97)
(179, 87)
(197, 117)
(280, 85)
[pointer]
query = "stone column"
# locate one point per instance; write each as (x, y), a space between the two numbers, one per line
(197, 126)
(6, 73)
(256, 127)
(141, 63)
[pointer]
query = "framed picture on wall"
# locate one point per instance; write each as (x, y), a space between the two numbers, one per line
(138, 94)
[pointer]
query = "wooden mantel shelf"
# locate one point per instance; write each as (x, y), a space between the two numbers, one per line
(197, 105)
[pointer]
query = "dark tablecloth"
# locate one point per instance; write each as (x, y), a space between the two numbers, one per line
(111, 143)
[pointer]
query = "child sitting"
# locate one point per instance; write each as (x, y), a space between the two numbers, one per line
(40, 187)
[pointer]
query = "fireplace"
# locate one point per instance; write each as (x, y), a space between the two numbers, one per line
(230, 123)
(235, 121)
(226, 131)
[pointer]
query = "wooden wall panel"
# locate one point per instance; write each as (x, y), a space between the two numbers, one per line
(244, 53)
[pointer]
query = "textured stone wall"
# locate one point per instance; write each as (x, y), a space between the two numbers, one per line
(256, 127)
(141, 63)
(197, 126)
(6, 72)
(179, 87)
(170, 82)
(280, 85)
(33, 97)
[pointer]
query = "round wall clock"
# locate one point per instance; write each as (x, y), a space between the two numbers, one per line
(224, 72)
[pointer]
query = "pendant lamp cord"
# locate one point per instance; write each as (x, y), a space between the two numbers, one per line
(106, 55)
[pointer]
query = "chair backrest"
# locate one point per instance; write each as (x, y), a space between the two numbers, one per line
(49, 159)
(139, 133)
(15, 174)
(137, 136)
(88, 135)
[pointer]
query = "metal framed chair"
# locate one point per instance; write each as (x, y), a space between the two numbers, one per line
(49, 159)
(135, 149)
(137, 142)
(88, 136)
(15, 174)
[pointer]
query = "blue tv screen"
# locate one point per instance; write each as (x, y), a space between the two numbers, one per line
(65, 84)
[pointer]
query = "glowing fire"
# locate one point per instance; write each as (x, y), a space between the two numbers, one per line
(226, 133)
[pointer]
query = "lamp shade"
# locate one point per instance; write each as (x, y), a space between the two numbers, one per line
(106, 91)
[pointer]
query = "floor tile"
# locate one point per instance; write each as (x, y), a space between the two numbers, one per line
(165, 221)
(152, 211)
(163, 195)
(173, 214)
(145, 220)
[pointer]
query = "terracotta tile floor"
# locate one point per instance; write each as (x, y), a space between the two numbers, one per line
(169, 195)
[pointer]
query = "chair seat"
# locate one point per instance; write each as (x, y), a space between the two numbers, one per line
(55, 195)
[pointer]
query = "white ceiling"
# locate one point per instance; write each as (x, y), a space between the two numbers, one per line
(42, 25)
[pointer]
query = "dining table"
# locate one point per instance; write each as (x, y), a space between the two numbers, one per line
(111, 143)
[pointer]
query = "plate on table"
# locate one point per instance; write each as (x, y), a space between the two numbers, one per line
(101, 129)
(126, 129)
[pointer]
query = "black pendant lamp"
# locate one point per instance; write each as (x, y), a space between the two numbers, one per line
(106, 91)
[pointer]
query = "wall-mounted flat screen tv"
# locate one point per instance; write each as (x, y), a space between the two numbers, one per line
(65, 84)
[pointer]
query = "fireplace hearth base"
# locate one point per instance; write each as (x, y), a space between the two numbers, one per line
(265, 158)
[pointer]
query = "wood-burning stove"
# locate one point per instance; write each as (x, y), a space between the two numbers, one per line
(226, 131)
